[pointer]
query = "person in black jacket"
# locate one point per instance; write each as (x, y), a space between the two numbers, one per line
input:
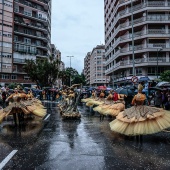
(3, 99)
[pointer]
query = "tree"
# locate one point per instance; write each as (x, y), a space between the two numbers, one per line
(165, 76)
(78, 79)
(64, 76)
(15, 85)
(75, 77)
(43, 71)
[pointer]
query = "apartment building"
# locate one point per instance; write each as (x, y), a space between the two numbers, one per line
(57, 54)
(87, 68)
(30, 24)
(6, 40)
(137, 38)
(97, 67)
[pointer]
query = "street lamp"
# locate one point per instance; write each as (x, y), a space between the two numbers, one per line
(70, 67)
(158, 50)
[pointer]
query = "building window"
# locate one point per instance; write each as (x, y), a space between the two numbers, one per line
(27, 40)
(27, 13)
(8, 4)
(138, 71)
(14, 77)
(6, 55)
(5, 76)
(15, 38)
(98, 68)
(5, 44)
(153, 71)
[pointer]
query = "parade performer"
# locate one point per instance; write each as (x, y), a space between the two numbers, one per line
(141, 119)
(102, 95)
(70, 110)
(19, 105)
(116, 107)
(107, 103)
(95, 101)
(30, 95)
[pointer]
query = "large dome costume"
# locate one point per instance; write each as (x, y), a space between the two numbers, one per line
(22, 103)
(110, 107)
(140, 119)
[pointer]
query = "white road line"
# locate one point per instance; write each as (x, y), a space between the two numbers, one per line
(5, 161)
(47, 117)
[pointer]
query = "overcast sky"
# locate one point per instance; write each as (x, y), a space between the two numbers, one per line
(77, 27)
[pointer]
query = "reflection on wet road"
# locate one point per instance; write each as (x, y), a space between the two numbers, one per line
(85, 144)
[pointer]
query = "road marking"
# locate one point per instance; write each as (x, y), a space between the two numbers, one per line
(47, 116)
(5, 161)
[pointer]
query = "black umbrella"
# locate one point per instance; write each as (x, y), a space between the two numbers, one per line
(126, 91)
(157, 88)
(143, 79)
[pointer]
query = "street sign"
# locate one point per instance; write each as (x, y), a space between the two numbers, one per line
(134, 79)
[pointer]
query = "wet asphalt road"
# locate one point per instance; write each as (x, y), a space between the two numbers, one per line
(87, 144)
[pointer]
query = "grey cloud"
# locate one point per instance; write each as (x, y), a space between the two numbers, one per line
(77, 27)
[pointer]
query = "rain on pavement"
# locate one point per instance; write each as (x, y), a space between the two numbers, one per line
(82, 144)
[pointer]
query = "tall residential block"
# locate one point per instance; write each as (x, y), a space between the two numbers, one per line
(6, 40)
(94, 67)
(137, 38)
(87, 68)
(29, 21)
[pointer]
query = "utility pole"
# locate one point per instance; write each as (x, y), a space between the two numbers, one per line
(133, 55)
(70, 67)
(158, 50)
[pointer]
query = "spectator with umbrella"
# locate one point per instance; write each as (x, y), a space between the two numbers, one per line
(158, 98)
(127, 94)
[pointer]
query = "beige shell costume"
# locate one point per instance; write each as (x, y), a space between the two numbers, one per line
(22, 104)
(140, 119)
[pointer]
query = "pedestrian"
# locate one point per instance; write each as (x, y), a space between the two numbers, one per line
(158, 99)
(4, 99)
(164, 99)
(115, 96)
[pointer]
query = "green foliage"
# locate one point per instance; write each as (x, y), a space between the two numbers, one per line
(67, 74)
(43, 71)
(165, 76)
(15, 85)
(78, 79)
(75, 77)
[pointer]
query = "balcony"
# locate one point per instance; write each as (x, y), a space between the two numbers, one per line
(25, 13)
(156, 3)
(156, 31)
(6, 70)
(140, 62)
(29, 4)
(33, 35)
(137, 49)
(21, 50)
(20, 71)
(41, 54)
(18, 60)
(34, 25)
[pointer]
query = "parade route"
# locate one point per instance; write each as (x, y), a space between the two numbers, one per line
(5, 161)
(79, 144)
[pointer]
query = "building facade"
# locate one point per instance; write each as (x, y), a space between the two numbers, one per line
(97, 67)
(57, 55)
(137, 38)
(6, 40)
(31, 36)
(87, 68)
